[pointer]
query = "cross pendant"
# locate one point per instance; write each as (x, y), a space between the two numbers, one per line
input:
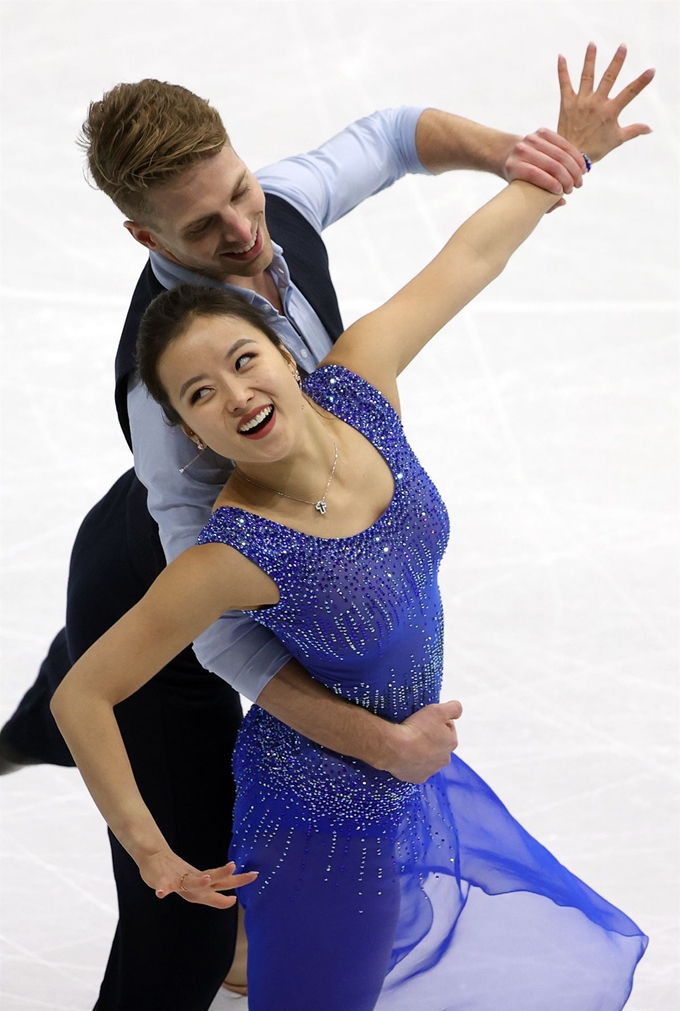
(321, 507)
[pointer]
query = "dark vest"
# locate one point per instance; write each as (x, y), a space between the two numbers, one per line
(307, 260)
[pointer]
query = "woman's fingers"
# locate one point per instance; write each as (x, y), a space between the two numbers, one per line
(635, 130)
(566, 87)
(246, 878)
(183, 881)
(199, 892)
(205, 887)
(590, 118)
(612, 71)
(588, 72)
(207, 897)
(223, 878)
(632, 90)
(560, 203)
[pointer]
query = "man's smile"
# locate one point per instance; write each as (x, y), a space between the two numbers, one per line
(248, 252)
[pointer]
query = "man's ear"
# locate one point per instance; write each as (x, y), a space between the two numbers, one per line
(142, 235)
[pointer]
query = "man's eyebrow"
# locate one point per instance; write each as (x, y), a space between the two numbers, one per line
(208, 217)
(234, 347)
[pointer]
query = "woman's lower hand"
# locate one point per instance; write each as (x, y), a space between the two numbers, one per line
(167, 873)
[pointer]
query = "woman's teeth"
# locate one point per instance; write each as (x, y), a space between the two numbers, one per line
(257, 420)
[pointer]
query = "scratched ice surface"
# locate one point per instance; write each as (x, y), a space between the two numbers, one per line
(545, 413)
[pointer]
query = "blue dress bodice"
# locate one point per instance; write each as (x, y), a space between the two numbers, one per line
(363, 613)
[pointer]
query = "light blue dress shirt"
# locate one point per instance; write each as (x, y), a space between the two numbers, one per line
(323, 185)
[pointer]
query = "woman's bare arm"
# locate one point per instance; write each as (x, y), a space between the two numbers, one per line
(189, 595)
(381, 344)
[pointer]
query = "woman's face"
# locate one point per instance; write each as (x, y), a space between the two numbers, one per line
(233, 387)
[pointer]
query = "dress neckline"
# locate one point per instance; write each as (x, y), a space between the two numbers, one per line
(317, 537)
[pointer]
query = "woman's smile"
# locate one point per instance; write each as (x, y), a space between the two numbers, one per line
(258, 423)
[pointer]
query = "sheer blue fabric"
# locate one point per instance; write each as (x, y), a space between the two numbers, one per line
(374, 893)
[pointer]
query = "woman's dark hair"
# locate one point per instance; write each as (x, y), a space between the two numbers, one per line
(169, 316)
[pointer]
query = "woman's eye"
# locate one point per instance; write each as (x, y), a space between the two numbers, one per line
(199, 394)
(243, 359)
(240, 193)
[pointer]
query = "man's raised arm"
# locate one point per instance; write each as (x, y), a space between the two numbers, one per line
(376, 151)
(446, 142)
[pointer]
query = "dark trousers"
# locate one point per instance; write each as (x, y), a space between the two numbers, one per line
(179, 731)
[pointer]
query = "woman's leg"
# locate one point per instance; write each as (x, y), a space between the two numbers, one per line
(237, 977)
(321, 919)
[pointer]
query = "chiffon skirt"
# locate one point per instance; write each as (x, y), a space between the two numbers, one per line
(374, 893)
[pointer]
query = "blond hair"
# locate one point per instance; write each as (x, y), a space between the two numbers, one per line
(145, 134)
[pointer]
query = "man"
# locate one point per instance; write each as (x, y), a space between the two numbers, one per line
(163, 156)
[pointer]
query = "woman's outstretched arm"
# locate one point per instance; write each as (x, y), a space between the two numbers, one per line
(380, 345)
(188, 596)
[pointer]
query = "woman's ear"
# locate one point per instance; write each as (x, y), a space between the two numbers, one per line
(190, 434)
(197, 442)
(291, 363)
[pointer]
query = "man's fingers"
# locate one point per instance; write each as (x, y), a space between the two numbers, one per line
(544, 180)
(565, 164)
(451, 710)
(558, 141)
(573, 164)
(632, 90)
(588, 72)
(612, 71)
(546, 172)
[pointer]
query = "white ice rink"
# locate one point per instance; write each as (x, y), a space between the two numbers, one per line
(545, 413)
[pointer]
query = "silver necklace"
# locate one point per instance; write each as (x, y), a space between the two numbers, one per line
(320, 506)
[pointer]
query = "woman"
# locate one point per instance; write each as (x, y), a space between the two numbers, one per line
(362, 891)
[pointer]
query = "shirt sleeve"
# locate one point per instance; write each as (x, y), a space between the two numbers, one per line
(365, 158)
(238, 649)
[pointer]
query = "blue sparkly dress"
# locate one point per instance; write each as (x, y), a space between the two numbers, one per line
(374, 893)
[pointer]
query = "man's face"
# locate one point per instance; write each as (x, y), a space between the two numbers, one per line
(210, 219)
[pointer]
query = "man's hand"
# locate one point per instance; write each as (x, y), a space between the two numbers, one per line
(423, 743)
(589, 117)
(546, 160)
(165, 872)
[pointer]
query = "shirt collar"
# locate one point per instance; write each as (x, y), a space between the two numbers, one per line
(171, 274)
